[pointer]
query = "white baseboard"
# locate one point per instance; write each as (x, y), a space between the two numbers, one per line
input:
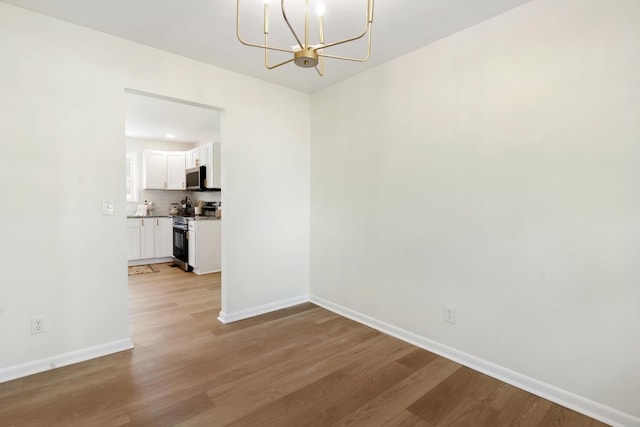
(64, 359)
(562, 397)
(261, 309)
(199, 273)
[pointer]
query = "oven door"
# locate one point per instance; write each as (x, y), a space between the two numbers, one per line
(181, 246)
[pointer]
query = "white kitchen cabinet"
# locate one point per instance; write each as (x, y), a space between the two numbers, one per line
(133, 239)
(154, 170)
(196, 157)
(163, 238)
(163, 170)
(206, 155)
(188, 159)
(149, 238)
(176, 170)
(191, 240)
(205, 246)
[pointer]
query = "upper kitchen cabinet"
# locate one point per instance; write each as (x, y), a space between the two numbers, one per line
(154, 170)
(196, 157)
(163, 170)
(207, 155)
(176, 170)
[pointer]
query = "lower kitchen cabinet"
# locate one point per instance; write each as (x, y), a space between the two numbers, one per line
(191, 243)
(164, 238)
(133, 239)
(204, 246)
(149, 238)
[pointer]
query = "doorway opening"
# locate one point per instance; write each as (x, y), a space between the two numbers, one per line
(173, 224)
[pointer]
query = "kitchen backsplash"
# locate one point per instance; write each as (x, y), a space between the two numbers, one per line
(162, 199)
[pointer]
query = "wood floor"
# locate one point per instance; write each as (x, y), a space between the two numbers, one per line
(302, 366)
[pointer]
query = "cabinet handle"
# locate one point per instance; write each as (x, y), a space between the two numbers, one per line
(157, 222)
(165, 184)
(142, 221)
(187, 235)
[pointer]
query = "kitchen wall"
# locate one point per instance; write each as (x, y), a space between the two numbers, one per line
(62, 108)
(495, 171)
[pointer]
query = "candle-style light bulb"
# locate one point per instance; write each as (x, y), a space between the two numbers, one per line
(320, 9)
(266, 16)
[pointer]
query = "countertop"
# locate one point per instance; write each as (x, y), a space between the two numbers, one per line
(196, 218)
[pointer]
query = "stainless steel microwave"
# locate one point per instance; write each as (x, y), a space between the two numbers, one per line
(196, 178)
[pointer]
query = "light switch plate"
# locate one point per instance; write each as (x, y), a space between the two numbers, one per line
(107, 207)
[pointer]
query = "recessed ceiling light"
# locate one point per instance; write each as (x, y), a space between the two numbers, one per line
(170, 136)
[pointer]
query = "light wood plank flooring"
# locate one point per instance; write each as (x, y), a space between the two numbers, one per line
(303, 366)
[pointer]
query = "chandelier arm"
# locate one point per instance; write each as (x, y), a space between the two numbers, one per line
(346, 58)
(321, 34)
(271, 67)
(261, 46)
(364, 33)
(266, 55)
(284, 15)
(321, 70)
(367, 29)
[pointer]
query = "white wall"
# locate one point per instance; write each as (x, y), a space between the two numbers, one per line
(63, 145)
(496, 171)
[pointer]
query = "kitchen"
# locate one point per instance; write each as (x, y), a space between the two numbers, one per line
(173, 179)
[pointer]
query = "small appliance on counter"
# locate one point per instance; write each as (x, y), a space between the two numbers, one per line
(185, 206)
(145, 209)
(142, 210)
(174, 209)
(197, 210)
(211, 209)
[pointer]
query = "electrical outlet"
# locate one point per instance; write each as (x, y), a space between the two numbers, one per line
(37, 325)
(449, 314)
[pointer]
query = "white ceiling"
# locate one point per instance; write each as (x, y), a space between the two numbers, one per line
(204, 30)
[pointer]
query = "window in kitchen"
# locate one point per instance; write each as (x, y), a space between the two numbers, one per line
(132, 189)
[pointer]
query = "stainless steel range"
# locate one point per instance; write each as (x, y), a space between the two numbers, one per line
(181, 243)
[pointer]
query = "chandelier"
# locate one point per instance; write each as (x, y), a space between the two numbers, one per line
(307, 55)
